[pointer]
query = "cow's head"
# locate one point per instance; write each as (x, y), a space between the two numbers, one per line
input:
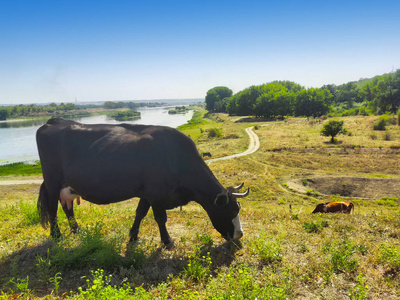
(224, 213)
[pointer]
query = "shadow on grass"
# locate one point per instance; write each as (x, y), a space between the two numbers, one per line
(148, 267)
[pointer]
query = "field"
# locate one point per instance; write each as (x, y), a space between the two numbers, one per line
(286, 252)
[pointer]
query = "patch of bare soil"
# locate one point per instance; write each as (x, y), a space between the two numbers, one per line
(357, 187)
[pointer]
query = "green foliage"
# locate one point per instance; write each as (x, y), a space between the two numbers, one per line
(214, 132)
(199, 266)
(283, 98)
(21, 285)
(29, 213)
(178, 110)
(95, 251)
(206, 240)
(390, 255)
(332, 128)
(388, 201)
(380, 124)
(312, 102)
(126, 115)
(268, 250)
(215, 96)
(315, 227)
(56, 280)
(360, 290)
(44, 266)
(100, 288)
(238, 283)
(341, 256)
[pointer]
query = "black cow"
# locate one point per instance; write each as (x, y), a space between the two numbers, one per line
(206, 154)
(110, 163)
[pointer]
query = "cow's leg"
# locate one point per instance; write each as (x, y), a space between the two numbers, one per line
(71, 217)
(160, 215)
(47, 208)
(141, 212)
(52, 210)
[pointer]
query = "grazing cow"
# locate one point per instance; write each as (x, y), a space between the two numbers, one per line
(205, 154)
(110, 163)
(334, 207)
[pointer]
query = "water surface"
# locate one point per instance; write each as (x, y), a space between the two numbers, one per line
(18, 142)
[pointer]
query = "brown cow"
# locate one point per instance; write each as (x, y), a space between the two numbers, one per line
(334, 207)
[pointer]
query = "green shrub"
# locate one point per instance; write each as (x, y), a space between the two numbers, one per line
(383, 121)
(214, 132)
(380, 125)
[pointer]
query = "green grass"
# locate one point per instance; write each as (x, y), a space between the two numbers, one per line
(21, 169)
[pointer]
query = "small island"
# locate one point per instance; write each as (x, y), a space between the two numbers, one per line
(126, 115)
(178, 110)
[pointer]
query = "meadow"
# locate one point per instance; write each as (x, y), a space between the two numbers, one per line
(286, 252)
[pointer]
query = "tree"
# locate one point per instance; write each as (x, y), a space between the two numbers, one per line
(216, 94)
(312, 102)
(4, 113)
(332, 129)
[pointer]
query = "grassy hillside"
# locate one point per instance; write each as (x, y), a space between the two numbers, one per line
(286, 252)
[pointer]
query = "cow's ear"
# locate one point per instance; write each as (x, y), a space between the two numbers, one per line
(221, 199)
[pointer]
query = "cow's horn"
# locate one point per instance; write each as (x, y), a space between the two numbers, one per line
(236, 188)
(241, 195)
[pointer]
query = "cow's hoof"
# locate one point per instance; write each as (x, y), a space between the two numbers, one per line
(76, 230)
(169, 245)
(134, 241)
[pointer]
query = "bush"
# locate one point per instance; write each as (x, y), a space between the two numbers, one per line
(380, 124)
(214, 132)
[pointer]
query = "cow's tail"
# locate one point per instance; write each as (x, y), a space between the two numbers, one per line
(43, 206)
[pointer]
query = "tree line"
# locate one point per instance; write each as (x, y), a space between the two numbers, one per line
(16, 111)
(32, 110)
(278, 99)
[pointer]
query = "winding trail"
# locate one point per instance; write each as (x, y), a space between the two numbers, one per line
(254, 144)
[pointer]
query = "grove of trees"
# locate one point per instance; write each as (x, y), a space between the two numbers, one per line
(277, 99)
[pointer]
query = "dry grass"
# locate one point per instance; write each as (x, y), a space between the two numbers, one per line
(285, 253)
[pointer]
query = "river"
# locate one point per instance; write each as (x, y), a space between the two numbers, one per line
(18, 143)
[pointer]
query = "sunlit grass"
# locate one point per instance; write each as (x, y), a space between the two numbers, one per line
(286, 252)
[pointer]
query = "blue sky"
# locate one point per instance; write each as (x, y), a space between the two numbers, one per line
(64, 51)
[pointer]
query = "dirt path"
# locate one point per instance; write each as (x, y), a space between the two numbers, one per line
(254, 144)
(22, 181)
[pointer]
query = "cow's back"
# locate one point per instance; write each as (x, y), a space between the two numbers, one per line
(124, 160)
